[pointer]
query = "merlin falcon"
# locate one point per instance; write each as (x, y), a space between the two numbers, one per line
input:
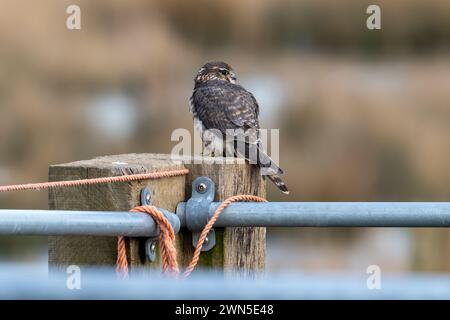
(226, 116)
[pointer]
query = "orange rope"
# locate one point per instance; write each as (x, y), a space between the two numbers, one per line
(166, 243)
(167, 238)
(122, 262)
(74, 183)
(167, 235)
(210, 224)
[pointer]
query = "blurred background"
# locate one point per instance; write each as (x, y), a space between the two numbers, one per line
(364, 115)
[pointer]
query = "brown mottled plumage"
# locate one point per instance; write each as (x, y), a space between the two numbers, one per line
(219, 103)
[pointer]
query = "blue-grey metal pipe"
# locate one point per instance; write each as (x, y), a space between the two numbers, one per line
(330, 214)
(81, 223)
(32, 282)
(270, 214)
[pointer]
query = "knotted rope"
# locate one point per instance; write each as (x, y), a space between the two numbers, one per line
(166, 243)
(167, 238)
(167, 235)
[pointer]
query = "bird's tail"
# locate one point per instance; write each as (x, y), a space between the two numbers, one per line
(272, 171)
(256, 155)
(279, 183)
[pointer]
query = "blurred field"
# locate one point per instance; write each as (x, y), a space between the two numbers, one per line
(363, 115)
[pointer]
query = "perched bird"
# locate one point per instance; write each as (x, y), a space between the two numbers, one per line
(226, 116)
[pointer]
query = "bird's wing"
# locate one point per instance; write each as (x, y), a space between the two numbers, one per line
(220, 105)
(243, 110)
(225, 106)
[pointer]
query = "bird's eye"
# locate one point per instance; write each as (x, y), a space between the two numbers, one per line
(224, 72)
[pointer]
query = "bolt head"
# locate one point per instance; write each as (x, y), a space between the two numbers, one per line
(202, 187)
(206, 240)
(153, 247)
(146, 196)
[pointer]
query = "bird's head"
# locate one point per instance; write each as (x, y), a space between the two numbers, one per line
(215, 70)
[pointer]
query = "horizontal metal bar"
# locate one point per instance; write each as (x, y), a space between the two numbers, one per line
(330, 214)
(81, 223)
(245, 214)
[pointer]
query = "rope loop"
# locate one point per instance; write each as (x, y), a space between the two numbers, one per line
(210, 225)
(167, 238)
(166, 243)
(167, 235)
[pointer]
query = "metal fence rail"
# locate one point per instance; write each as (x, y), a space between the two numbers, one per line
(270, 214)
(329, 214)
(82, 223)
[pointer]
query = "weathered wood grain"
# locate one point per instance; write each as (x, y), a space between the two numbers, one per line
(238, 250)
(82, 251)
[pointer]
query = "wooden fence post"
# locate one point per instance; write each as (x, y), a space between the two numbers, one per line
(102, 251)
(238, 250)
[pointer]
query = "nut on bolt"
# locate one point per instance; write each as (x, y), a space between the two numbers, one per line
(150, 249)
(146, 196)
(202, 187)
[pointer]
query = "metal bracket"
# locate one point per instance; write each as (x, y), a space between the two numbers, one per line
(197, 211)
(150, 244)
